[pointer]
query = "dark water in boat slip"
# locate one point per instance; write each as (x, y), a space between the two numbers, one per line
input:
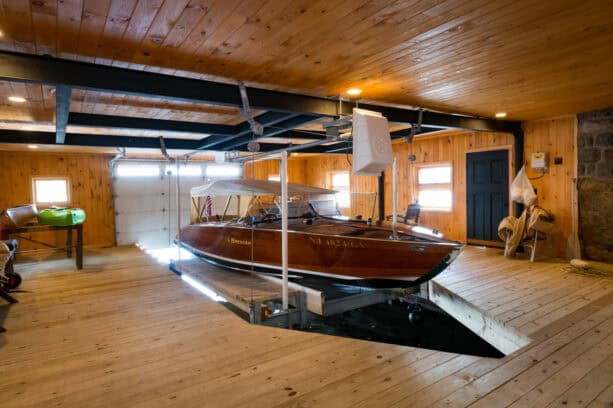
(389, 323)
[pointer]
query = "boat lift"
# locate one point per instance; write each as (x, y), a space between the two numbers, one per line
(256, 295)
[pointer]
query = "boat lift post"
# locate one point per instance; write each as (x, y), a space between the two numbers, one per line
(394, 200)
(178, 188)
(284, 261)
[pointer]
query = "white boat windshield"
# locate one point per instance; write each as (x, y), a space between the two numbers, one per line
(263, 211)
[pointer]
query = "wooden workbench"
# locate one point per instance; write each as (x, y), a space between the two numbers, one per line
(69, 241)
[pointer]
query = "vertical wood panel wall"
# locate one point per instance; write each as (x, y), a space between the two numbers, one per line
(557, 138)
(262, 169)
(90, 189)
(451, 147)
(554, 136)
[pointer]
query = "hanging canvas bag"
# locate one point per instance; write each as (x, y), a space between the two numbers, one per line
(521, 189)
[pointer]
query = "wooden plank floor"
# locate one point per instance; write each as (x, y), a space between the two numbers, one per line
(240, 288)
(126, 332)
(522, 295)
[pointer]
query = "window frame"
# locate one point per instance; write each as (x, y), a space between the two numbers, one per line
(135, 164)
(433, 186)
(53, 203)
(330, 177)
(171, 169)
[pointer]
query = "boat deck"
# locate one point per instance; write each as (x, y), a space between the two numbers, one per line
(126, 332)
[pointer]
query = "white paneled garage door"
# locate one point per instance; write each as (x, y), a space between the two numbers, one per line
(145, 198)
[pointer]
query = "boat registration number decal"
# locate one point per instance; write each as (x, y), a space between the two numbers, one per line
(336, 243)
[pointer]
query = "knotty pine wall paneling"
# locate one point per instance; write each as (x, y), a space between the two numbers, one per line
(556, 137)
(260, 170)
(91, 190)
(450, 147)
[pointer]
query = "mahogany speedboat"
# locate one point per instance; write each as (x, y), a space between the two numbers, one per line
(355, 252)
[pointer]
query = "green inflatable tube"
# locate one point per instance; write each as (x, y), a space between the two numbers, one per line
(61, 217)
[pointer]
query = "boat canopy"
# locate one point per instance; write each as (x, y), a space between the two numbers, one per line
(248, 187)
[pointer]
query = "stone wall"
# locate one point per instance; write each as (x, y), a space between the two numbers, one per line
(595, 171)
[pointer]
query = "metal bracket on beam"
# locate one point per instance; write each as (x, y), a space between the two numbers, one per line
(163, 148)
(256, 128)
(281, 127)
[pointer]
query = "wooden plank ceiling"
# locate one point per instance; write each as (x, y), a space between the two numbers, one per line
(529, 59)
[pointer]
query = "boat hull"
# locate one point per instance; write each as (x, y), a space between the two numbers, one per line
(356, 260)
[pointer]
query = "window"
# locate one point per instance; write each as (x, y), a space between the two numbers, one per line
(51, 190)
(189, 170)
(137, 170)
(274, 177)
(434, 187)
(223, 171)
(339, 181)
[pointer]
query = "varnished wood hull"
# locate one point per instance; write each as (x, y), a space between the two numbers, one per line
(363, 261)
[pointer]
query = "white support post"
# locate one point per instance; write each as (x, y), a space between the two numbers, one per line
(178, 192)
(284, 261)
(394, 200)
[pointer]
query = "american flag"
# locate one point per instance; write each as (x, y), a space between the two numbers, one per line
(208, 212)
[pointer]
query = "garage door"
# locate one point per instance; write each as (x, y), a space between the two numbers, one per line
(145, 198)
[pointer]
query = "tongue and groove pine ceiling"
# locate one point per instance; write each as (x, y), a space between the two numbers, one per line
(531, 59)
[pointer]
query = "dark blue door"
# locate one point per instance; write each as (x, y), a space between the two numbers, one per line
(487, 193)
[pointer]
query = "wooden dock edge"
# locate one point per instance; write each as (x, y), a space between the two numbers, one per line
(504, 338)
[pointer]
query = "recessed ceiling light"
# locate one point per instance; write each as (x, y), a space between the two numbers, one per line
(501, 115)
(354, 91)
(17, 99)
(32, 146)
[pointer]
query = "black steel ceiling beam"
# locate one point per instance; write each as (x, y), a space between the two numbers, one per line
(37, 69)
(299, 135)
(244, 129)
(407, 132)
(346, 146)
(269, 147)
(125, 122)
(62, 109)
(271, 131)
(343, 146)
(76, 139)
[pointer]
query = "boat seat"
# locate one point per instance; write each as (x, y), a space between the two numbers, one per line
(410, 216)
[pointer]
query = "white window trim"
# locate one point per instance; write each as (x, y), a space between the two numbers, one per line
(433, 186)
(136, 165)
(50, 204)
(330, 176)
